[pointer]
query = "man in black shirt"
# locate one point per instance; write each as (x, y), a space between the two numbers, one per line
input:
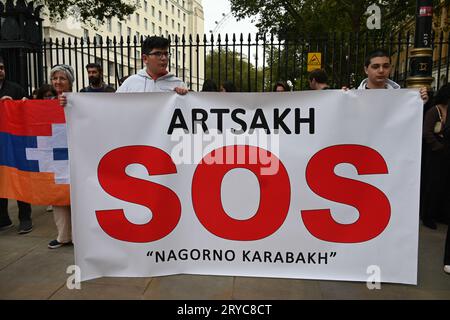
(446, 133)
(95, 75)
(318, 80)
(12, 91)
(8, 89)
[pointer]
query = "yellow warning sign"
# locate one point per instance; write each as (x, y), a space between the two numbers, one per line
(314, 61)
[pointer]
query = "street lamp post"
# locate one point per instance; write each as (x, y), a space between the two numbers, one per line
(421, 62)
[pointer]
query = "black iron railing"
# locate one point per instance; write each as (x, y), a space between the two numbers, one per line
(253, 62)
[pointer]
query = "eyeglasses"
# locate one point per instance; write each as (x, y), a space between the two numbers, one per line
(160, 54)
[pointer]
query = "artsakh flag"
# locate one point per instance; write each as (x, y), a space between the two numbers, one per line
(34, 164)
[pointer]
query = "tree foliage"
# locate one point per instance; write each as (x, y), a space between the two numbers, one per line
(88, 11)
(233, 68)
(315, 24)
(285, 17)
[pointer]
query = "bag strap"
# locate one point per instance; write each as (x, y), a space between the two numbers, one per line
(439, 112)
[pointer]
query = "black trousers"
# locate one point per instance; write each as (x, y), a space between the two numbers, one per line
(447, 248)
(24, 211)
(435, 186)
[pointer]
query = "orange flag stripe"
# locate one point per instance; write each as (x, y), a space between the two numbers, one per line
(37, 188)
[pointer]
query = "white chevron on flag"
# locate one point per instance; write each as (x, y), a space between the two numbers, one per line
(44, 154)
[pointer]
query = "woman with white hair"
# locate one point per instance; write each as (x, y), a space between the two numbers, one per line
(62, 78)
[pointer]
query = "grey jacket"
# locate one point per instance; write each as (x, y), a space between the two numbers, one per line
(142, 82)
(389, 83)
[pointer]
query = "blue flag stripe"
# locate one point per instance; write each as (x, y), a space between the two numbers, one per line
(13, 154)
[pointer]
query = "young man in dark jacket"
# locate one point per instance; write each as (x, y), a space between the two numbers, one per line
(446, 134)
(12, 91)
(95, 75)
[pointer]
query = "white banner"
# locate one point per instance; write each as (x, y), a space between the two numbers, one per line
(323, 185)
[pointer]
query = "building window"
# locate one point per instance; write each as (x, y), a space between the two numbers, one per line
(167, 5)
(167, 34)
(160, 31)
(129, 31)
(145, 6)
(146, 23)
(98, 38)
(129, 17)
(167, 20)
(160, 15)
(178, 13)
(173, 24)
(138, 35)
(119, 26)
(153, 28)
(173, 9)
(184, 29)
(184, 2)
(184, 16)
(109, 24)
(138, 19)
(179, 29)
(159, 2)
(153, 11)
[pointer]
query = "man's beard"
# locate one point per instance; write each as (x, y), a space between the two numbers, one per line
(95, 81)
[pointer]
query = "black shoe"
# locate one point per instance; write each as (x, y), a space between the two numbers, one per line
(54, 244)
(6, 226)
(430, 224)
(25, 227)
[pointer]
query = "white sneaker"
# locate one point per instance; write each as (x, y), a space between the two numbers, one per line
(447, 269)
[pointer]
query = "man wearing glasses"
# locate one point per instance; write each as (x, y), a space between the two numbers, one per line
(154, 77)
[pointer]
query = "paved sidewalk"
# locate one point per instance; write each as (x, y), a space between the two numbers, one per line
(28, 270)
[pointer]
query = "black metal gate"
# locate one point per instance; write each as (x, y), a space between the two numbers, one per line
(21, 43)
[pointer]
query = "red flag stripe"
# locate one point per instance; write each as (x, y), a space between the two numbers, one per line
(30, 117)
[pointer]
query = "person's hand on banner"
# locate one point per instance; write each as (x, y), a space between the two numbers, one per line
(6, 98)
(181, 90)
(62, 100)
(424, 94)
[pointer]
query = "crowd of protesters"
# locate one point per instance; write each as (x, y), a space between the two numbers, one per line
(154, 77)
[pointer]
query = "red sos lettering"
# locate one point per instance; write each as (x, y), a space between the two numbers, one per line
(162, 201)
(372, 204)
